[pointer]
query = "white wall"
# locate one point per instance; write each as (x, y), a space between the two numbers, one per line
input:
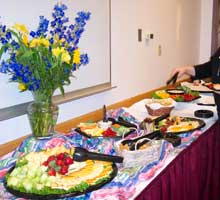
(136, 66)
(206, 30)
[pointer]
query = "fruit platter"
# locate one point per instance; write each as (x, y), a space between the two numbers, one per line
(178, 125)
(179, 94)
(212, 86)
(53, 174)
(115, 130)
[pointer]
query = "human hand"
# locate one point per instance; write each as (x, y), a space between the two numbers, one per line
(185, 70)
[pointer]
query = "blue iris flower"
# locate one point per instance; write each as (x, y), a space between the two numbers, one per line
(8, 35)
(4, 67)
(25, 79)
(74, 67)
(15, 44)
(43, 26)
(3, 28)
(84, 59)
(32, 34)
(3, 41)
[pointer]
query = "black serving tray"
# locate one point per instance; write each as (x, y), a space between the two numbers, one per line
(121, 122)
(201, 125)
(173, 91)
(59, 196)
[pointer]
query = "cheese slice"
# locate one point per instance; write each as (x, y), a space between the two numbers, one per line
(183, 126)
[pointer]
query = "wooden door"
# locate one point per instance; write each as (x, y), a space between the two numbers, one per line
(215, 26)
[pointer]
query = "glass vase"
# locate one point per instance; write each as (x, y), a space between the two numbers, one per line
(42, 115)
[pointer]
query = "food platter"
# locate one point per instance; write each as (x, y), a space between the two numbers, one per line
(59, 196)
(55, 190)
(184, 97)
(212, 86)
(200, 87)
(179, 125)
(116, 130)
(179, 94)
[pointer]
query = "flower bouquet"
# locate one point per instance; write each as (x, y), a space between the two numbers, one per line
(42, 61)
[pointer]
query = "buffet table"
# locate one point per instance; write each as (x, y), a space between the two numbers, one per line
(189, 171)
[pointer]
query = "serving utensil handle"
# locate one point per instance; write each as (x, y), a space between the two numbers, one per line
(173, 79)
(81, 155)
(104, 114)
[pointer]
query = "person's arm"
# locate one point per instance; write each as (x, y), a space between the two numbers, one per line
(185, 70)
(196, 72)
(202, 70)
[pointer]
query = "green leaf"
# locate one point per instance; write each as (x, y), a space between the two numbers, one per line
(2, 51)
(61, 90)
(52, 163)
(179, 98)
(26, 55)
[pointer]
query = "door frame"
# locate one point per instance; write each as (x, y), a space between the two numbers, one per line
(215, 24)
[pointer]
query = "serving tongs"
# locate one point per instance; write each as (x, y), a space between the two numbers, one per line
(131, 142)
(136, 143)
(153, 121)
(122, 122)
(81, 155)
(173, 79)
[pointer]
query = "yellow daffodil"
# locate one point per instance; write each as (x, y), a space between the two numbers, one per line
(58, 41)
(45, 42)
(25, 40)
(56, 38)
(62, 40)
(57, 51)
(76, 57)
(35, 42)
(21, 28)
(21, 87)
(65, 57)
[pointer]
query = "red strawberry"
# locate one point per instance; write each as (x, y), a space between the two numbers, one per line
(63, 170)
(45, 163)
(59, 162)
(163, 129)
(50, 158)
(210, 85)
(109, 133)
(61, 156)
(68, 161)
(51, 172)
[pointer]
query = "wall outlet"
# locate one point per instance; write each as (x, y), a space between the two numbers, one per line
(149, 36)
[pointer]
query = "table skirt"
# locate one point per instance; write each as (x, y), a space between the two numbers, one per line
(193, 175)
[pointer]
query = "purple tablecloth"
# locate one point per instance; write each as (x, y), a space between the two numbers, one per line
(193, 175)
